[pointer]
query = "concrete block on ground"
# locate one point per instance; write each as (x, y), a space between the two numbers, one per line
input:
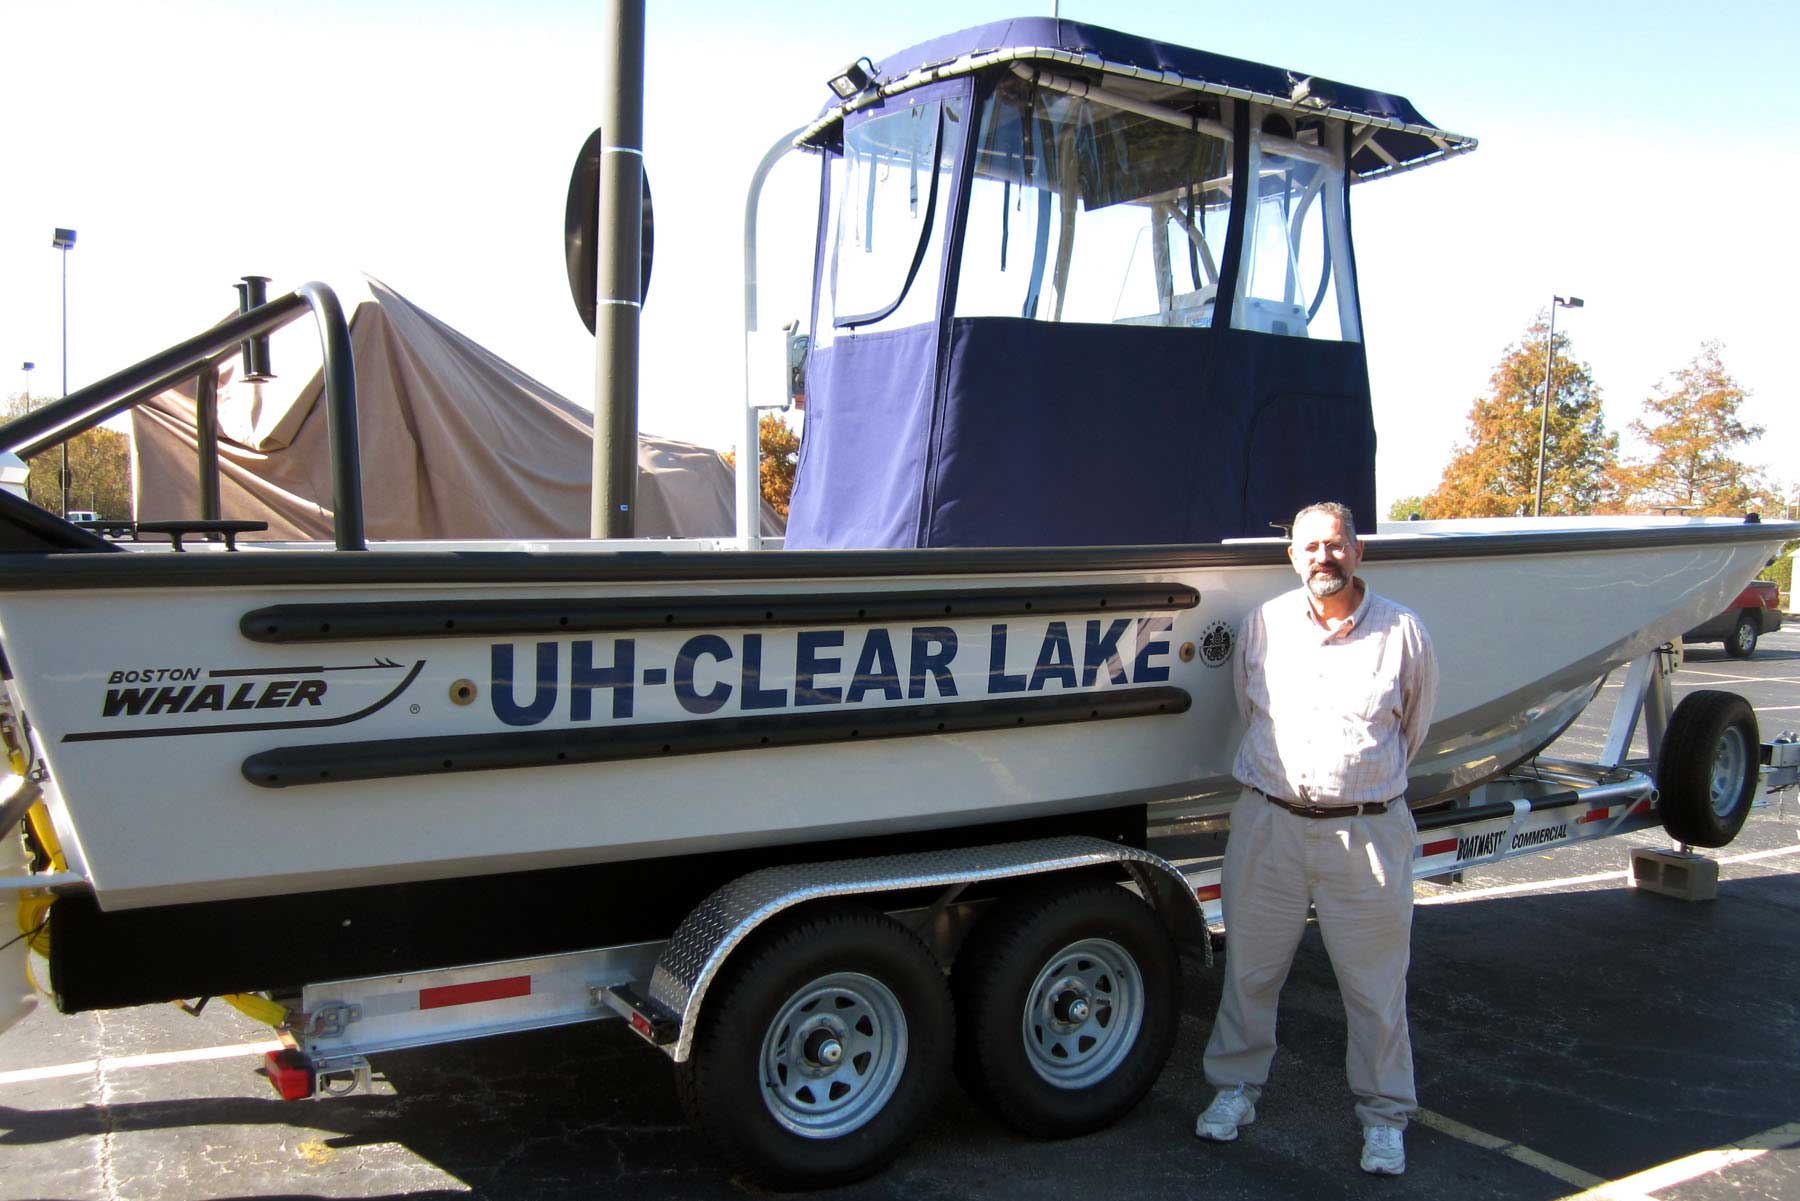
(1679, 874)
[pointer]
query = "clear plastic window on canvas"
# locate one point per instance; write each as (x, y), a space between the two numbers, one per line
(890, 214)
(1296, 278)
(1080, 210)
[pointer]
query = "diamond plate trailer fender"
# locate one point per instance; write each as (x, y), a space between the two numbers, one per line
(719, 924)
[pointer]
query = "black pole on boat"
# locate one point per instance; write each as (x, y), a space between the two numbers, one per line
(338, 366)
(253, 293)
(206, 433)
(618, 300)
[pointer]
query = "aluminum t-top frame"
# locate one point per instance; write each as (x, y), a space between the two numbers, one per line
(1300, 101)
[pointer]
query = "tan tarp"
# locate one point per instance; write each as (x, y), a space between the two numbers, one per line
(456, 443)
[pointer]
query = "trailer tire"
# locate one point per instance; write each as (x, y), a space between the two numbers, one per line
(853, 982)
(1706, 772)
(1741, 642)
(1067, 1003)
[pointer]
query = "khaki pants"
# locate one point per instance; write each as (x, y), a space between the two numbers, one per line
(1357, 872)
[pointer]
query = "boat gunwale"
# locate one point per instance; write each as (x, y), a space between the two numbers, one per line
(72, 571)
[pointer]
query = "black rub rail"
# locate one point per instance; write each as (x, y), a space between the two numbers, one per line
(336, 763)
(459, 619)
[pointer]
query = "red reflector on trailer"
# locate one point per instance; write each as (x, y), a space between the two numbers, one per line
(1594, 815)
(1209, 893)
(480, 990)
(641, 1024)
(1642, 806)
(289, 1072)
(1438, 847)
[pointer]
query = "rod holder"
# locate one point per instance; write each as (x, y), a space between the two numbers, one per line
(253, 293)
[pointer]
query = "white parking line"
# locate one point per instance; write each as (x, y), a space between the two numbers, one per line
(1703, 1163)
(1637, 1187)
(1500, 890)
(1525, 1155)
(152, 1060)
(1753, 856)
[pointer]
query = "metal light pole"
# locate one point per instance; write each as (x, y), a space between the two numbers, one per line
(62, 239)
(27, 367)
(1556, 302)
(619, 255)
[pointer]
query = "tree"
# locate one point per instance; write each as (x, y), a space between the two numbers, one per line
(99, 469)
(1494, 473)
(778, 450)
(1404, 508)
(1693, 433)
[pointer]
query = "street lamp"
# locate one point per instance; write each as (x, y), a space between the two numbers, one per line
(27, 367)
(1556, 302)
(62, 239)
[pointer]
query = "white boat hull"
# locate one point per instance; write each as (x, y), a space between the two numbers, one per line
(158, 797)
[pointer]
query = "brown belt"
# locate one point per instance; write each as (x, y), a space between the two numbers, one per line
(1369, 809)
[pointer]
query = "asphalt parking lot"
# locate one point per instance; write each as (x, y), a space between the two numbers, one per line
(1571, 1035)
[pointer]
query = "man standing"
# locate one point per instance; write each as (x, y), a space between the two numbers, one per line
(1336, 687)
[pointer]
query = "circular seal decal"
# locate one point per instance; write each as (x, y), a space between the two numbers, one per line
(1216, 644)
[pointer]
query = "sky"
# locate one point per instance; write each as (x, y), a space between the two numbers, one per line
(1639, 155)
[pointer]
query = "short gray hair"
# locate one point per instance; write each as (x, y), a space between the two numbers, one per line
(1331, 508)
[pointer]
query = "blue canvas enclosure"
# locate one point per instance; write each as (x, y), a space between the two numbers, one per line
(874, 429)
(1076, 436)
(1079, 288)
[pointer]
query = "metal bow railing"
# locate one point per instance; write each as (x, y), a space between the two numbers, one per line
(200, 356)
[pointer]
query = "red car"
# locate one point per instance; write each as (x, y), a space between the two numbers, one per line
(1755, 612)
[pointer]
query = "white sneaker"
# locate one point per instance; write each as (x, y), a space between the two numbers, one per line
(1228, 1111)
(1384, 1151)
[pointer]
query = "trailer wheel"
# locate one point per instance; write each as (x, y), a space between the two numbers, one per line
(823, 1052)
(1742, 642)
(1067, 1005)
(1707, 769)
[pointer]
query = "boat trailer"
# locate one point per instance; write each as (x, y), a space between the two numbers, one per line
(661, 988)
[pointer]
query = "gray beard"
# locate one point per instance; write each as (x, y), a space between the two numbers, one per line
(1323, 586)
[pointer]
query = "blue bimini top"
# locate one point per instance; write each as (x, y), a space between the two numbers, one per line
(1401, 137)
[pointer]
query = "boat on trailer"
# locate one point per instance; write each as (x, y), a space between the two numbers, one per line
(1078, 298)
(220, 726)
